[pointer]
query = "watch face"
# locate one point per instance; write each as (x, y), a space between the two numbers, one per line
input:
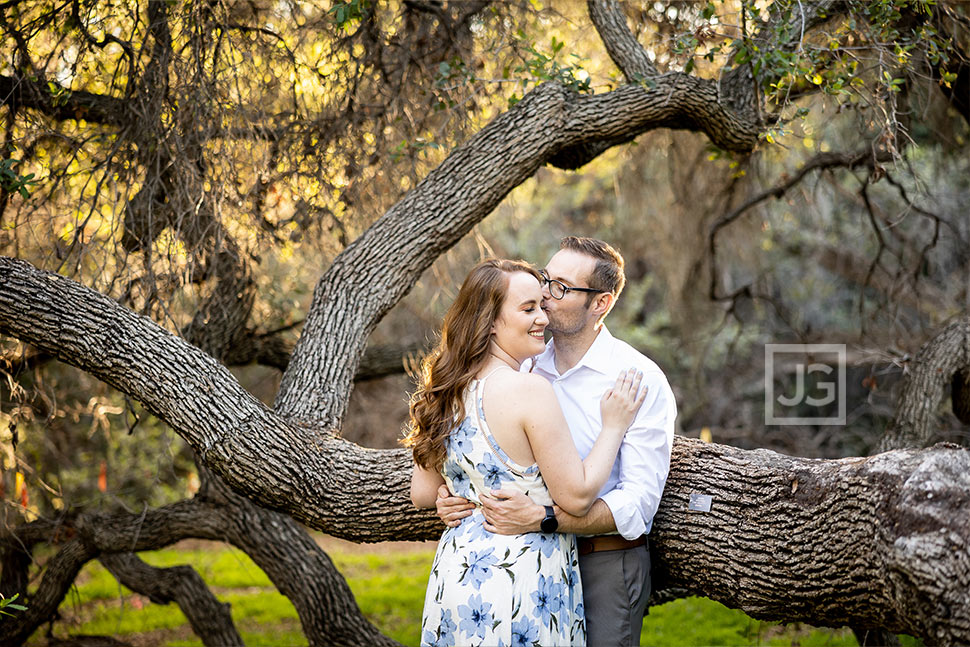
(549, 524)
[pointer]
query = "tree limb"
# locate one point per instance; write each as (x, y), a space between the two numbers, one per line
(887, 560)
(233, 433)
(65, 104)
(868, 542)
(378, 268)
(925, 381)
(210, 619)
(622, 46)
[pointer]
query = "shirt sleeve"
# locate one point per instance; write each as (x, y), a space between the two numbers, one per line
(644, 460)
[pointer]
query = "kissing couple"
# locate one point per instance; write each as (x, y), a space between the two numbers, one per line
(546, 462)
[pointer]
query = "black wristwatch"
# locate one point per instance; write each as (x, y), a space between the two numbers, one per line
(550, 523)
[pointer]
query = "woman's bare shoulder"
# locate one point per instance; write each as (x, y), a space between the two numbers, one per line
(525, 384)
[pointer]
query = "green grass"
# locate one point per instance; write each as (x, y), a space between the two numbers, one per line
(389, 587)
(699, 621)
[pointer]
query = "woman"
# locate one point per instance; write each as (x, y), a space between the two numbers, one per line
(478, 424)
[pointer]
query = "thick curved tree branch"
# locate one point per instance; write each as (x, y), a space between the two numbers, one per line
(378, 268)
(622, 46)
(894, 556)
(84, 538)
(210, 619)
(867, 542)
(936, 366)
(327, 483)
(276, 543)
(736, 90)
(299, 568)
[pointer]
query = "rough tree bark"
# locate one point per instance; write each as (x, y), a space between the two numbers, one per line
(877, 542)
(210, 619)
(939, 364)
(883, 538)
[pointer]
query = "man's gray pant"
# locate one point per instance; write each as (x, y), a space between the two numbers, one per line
(616, 587)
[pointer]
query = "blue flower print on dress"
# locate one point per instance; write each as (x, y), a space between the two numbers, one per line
(479, 565)
(448, 625)
(572, 578)
(444, 636)
(524, 633)
(548, 543)
(475, 526)
(476, 617)
(460, 440)
(493, 471)
(460, 483)
(482, 583)
(547, 599)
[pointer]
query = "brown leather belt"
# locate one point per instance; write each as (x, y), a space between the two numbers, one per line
(589, 545)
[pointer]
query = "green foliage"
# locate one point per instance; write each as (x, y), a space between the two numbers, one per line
(454, 71)
(12, 181)
(346, 13)
(699, 621)
(541, 66)
(864, 57)
(10, 603)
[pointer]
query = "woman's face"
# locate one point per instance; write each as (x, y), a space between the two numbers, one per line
(521, 321)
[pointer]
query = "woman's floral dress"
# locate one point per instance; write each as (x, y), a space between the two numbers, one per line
(489, 589)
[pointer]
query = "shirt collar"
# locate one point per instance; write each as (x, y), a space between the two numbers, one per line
(597, 356)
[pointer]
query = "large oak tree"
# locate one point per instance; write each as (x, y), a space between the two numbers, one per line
(877, 542)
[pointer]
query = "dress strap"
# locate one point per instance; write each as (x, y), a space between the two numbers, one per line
(479, 405)
(493, 372)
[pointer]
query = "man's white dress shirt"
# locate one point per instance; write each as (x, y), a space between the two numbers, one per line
(632, 492)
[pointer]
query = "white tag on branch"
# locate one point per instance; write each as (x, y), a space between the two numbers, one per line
(700, 502)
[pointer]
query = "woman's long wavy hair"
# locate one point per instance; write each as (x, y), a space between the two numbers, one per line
(446, 372)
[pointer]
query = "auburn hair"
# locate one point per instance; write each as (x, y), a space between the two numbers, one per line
(437, 407)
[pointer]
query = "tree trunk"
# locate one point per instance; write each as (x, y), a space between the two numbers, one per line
(936, 366)
(868, 542)
(877, 542)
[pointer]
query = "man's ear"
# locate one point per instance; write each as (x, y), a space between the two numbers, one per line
(603, 303)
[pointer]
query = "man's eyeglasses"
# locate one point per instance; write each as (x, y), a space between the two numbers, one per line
(558, 289)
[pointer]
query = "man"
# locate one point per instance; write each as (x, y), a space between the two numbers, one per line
(582, 282)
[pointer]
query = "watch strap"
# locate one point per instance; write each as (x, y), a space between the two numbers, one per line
(549, 523)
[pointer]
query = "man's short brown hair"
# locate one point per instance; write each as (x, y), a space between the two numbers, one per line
(608, 274)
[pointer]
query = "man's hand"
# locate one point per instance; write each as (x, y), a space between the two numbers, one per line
(452, 509)
(509, 512)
